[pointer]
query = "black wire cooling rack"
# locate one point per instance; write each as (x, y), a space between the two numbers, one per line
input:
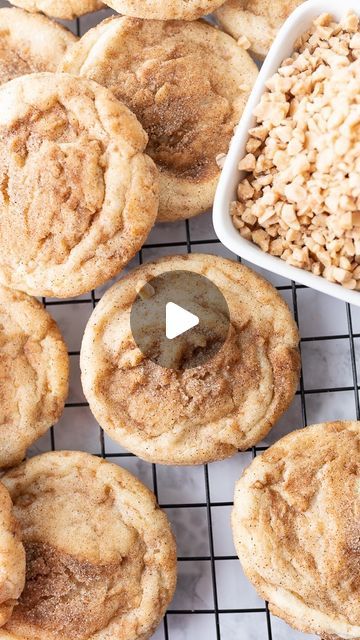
(218, 612)
(204, 621)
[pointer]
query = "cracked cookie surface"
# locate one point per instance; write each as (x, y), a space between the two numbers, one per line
(188, 84)
(30, 43)
(208, 412)
(12, 558)
(63, 9)
(34, 371)
(296, 528)
(77, 194)
(165, 9)
(101, 558)
(257, 20)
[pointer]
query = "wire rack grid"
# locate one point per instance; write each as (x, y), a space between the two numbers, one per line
(214, 600)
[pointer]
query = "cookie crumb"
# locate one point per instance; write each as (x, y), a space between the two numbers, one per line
(244, 42)
(145, 290)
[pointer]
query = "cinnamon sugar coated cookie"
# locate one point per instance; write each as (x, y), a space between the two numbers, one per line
(64, 9)
(30, 43)
(78, 196)
(200, 414)
(34, 371)
(255, 22)
(12, 558)
(187, 83)
(165, 9)
(296, 529)
(101, 558)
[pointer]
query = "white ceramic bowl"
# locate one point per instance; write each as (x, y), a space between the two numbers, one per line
(296, 24)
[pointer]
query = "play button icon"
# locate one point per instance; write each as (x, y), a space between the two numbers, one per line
(179, 319)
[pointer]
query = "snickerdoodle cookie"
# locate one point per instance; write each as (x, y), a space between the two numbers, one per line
(33, 374)
(101, 558)
(30, 42)
(296, 528)
(256, 20)
(165, 9)
(192, 415)
(77, 194)
(187, 83)
(64, 9)
(12, 558)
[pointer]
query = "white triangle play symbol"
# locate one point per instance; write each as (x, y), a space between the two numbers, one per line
(178, 320)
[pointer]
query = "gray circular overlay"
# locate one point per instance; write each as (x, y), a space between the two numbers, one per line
(194, 293)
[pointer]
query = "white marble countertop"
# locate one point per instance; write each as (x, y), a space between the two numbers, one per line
(213, 584)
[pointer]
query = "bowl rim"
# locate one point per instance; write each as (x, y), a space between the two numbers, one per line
(296, 24)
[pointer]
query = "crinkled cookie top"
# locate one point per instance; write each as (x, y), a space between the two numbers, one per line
(296, 528)
(12, 558)
(187, 83)
(165, 9)
(30, 43)
(199, 414)
(34, 371)
(101, 559)
(256, 20)
(77, 195)
(64, 9)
